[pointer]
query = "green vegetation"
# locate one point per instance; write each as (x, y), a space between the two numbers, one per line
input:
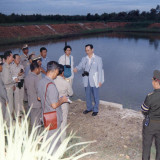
(19, 142)
(131, 16)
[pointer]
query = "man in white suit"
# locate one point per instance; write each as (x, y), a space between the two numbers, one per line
(92, 78)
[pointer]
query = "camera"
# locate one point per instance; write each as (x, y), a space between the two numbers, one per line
(20, 84)
(85, 73)
(21, 71)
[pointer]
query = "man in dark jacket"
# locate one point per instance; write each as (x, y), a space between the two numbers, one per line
(151, 125)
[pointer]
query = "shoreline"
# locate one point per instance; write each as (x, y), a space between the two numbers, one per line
(116, 130)
(33, 33)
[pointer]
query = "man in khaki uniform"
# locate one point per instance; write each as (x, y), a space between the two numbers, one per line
(64, 88)
(17, 71)
(25, 63)
(31, 82)
(25, 56)
(27, 69)
(8, 81)
(3, 93)
(38, 59)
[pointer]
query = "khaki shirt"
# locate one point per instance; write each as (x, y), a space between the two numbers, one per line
(24, 60)
(31, 82)
(7, 76)
(15, 69)
(64, 88)
(3, 92)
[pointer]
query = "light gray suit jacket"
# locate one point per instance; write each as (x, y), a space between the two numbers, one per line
(96, 65)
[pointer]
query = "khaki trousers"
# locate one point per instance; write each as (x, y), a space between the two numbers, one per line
(3, 107)
(9, 113)
(36, 114)
(18, 100)
(65, 108)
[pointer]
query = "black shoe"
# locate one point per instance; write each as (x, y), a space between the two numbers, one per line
(86, 111)
(94, 113)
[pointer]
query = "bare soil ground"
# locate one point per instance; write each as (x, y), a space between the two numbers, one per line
(118, 132)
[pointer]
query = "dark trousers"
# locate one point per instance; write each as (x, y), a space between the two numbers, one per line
(150, 132)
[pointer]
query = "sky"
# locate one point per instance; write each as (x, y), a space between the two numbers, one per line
(74, 7)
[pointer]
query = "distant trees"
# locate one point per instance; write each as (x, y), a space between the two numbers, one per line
(134, 15)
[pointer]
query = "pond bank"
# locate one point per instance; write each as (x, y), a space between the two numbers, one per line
(32, 33)
(117, 131)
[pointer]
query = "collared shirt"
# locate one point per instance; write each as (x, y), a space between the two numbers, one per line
(152, 105)
(24, 60)
(52, 97)
(7, 76)
(44, 63)
(15, 69)
(64, 88)
(3, 92)
(31, 84)
(89, 59)
(27, 70)
(65, 60)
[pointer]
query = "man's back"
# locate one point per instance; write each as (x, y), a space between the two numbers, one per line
(64, 88)
(31, 82)
(7, 76)
(3, 92)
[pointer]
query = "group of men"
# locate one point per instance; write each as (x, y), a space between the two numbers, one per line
(42, 83)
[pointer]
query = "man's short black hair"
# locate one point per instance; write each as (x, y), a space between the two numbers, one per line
(34, 65)
(65, 48)
(52, 65)
(30, 56)
(43, 49)
(61, 69)
(89, 45)
(14, 56)
(7, 54)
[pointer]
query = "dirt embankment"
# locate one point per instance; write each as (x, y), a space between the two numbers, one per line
(118, 132)
(11, 34)
(29, 33)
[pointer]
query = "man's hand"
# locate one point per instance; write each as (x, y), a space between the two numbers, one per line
(6, 104)
(75, 70)
(100, 84)
(16, 80)
(63, 99)
(14, 88)
(43, 71)
(20, 73)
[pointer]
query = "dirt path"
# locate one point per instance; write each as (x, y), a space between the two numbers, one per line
(118, 132)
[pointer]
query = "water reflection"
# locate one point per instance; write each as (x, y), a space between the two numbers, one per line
(129, 60)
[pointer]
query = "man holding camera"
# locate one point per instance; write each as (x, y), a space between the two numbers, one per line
(92, 78)
(17, 71)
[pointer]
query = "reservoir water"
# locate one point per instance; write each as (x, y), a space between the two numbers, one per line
(128, 62)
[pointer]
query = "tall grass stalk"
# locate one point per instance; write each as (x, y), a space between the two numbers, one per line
(18, 142)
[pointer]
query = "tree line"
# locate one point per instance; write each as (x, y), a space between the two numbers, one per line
(134, 15)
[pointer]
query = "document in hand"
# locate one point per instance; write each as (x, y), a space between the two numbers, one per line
(96, 78)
